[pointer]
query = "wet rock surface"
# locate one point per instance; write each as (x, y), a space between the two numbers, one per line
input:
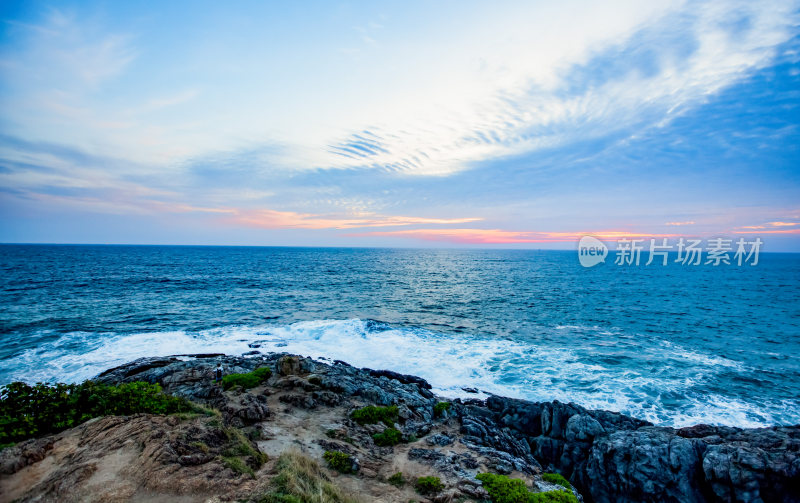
(306, 405)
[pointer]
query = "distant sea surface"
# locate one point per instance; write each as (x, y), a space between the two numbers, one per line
(676, 345)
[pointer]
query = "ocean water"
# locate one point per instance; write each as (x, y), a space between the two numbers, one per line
(676, 345)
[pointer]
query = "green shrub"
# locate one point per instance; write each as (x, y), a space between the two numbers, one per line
(503, 489)
(429, 485)
(388, 437)
(248, 380)
(440, 408)
(553, 497)
(556, 478)
(339, 461)
(397, 480)
(30, 411)
(372, 414)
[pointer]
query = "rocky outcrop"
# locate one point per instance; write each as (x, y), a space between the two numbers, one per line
(614, 458)
(306, 404)
(135, 458)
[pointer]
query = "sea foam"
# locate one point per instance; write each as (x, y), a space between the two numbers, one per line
(449, 362)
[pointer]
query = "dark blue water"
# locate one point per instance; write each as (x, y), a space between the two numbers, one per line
(675, 345)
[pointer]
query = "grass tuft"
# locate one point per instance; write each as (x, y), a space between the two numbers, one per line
(300, 479)
(238, 465)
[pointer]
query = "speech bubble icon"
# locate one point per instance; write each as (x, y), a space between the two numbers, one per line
(591, 251)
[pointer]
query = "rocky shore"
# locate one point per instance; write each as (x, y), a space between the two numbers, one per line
(307, 406)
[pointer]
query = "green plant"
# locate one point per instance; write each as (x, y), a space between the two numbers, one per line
(248, 380)
(202, 446)
(553, 497)
(503, 489)
(397, 480)
(556, 478)
(388, 437)
(238, 465)
(372, 414)
(29, 411)
(440, 408)
(315, 380)
(339, 461)
(341, 435)
(239, 445)
(429, 485)
(301, 480)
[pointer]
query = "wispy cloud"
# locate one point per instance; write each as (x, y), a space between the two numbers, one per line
(526, 116)
(272, 219)
(498, 236)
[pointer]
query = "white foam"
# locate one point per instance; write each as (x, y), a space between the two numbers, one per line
(505, 367)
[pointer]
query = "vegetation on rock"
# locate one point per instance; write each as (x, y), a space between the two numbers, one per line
(248, 380)
(388, 437)
(372, 414)
(397, 480)
(240, 451)
(503, 489)
(301, 480)
(429, 485)
(556, 478)
(441, 408)
(29, 411)
(339, 461)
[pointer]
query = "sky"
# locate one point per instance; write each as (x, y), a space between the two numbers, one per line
(414, 124)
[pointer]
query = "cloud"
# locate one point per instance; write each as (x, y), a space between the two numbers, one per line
(272, 219)
(657, 73)
(498, 236)
(690, 222)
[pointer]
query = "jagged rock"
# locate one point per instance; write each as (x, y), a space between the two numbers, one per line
(302, 401)
(288, 365)
(439, 439)
(249, 409)
(26, 453)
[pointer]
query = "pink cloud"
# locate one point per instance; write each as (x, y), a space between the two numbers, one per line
(498, 236)
(774, 231)
(272, 219)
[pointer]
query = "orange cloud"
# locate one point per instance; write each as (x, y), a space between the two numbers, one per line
(498, 236)
(783, 224)
(272, 219)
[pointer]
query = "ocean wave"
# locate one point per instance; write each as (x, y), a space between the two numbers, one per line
(449, 362)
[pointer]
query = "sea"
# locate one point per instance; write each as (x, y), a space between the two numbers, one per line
(676, 345)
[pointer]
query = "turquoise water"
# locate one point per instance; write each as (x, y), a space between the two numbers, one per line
(675, 345)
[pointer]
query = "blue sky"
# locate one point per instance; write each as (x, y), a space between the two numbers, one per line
(513, 124)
